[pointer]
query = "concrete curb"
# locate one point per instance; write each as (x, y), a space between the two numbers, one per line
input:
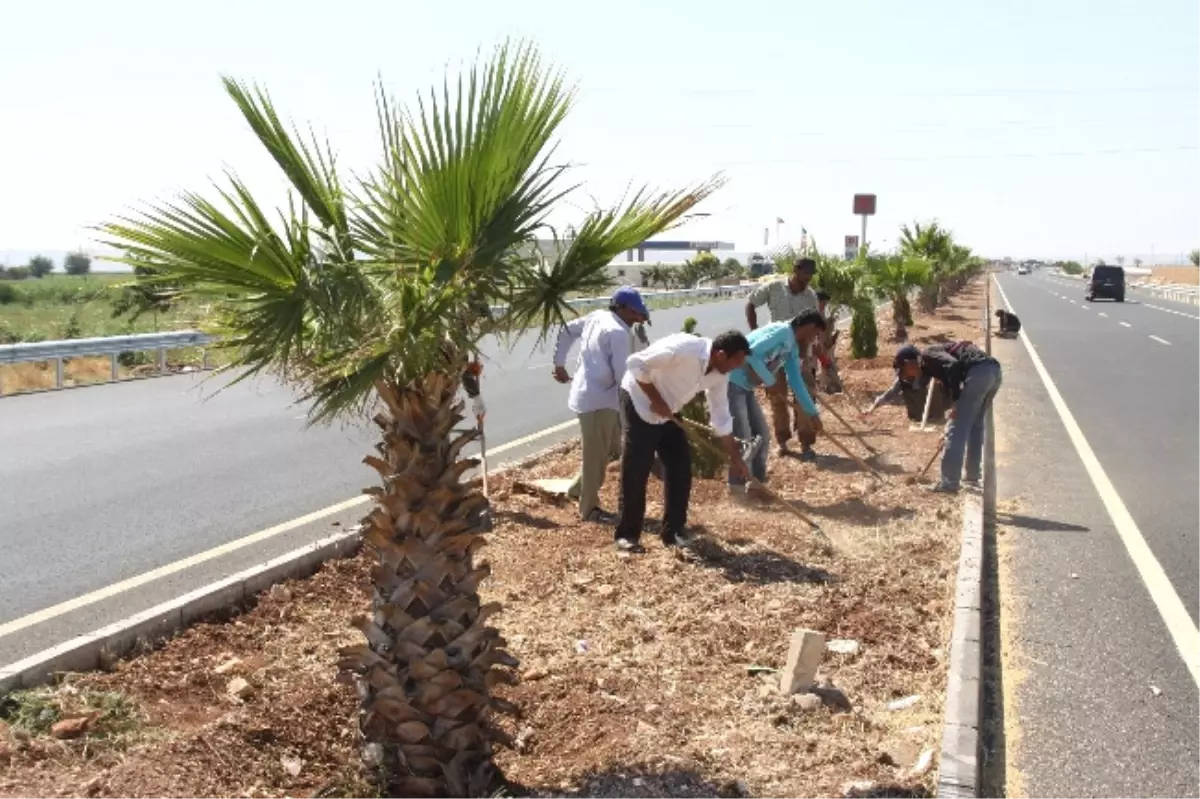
(94, 650)
(959, 773)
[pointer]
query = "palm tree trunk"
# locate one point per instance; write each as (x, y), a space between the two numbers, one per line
(426, 672)
(901, 315)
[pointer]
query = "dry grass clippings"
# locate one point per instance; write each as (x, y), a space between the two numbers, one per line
(655, 675)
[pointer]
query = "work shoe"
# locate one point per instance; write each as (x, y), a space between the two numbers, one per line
(974, 485)
(681, 538)
(626, 546)
(600, 516)
(751, 448)
(808, 456)
(942, 488)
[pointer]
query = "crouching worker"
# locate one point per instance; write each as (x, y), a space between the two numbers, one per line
(972, 377)
(1010, 325)
(658, 382)
(773, 348)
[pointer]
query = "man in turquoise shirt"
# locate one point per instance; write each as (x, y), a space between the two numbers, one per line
(771, 346)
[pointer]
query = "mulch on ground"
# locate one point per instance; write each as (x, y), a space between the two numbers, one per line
(651, 675)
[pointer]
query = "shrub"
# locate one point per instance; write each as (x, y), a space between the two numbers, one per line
(78, 263)
(864, 335)
(708, 459)
(40, 266)
(8, 294)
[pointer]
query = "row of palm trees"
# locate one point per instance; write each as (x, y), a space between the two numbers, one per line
(369, 294)
(928, 262)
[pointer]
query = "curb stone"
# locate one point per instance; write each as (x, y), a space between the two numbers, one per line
(132, 634)
(959, 772)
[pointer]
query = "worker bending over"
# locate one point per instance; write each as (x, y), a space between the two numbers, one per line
(774, 349)
(658, 382)
(972, 377)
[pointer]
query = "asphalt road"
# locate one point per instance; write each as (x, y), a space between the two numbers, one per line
(1098, 700)
(102, 484)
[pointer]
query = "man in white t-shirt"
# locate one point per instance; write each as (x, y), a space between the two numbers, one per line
(658, 382)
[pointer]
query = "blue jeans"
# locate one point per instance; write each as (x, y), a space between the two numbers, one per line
(964, 433)
(748, 422)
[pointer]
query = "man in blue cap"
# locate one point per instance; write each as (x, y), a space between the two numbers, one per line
(606, 339)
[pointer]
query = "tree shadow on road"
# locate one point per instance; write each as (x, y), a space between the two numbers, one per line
(1034, 523)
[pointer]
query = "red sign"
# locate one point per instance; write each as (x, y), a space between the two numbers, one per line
(864, 204)
(851, 242)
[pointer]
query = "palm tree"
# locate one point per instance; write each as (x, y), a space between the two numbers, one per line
(893, 277)
(371, 296)
(933, 243)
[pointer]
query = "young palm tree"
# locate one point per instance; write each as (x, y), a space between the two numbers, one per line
(370, 296)
(933, 243)
(893, 277)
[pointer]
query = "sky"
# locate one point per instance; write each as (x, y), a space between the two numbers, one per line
(1030, 129)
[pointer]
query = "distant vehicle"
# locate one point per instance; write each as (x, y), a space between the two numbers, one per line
(1106, 282)
(1022, 270)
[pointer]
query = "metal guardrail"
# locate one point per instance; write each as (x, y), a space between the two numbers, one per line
(112, 346)
(1175, 292)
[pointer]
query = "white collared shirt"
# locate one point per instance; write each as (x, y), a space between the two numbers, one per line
(677, 366)
(605, 342)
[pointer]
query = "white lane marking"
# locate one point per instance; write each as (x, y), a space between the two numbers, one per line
(538, 366)
(1102, 313)
(1126, 324)
(1073, 302)
(45, 614)
(1161, 340)
(1170, 607)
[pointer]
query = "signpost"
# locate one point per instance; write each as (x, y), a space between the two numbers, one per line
(864, 206)
(851, 247)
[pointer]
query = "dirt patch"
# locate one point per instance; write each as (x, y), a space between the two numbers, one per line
(1189, 275)
(645, 676)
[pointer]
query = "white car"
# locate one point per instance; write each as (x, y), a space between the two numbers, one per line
(1022, 270)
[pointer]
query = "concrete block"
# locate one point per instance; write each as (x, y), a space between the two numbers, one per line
(959, 762)
(968, 594)
(10, 680)
(966, 624)
(150, 627)
(219, 597)
(804, 657)
(273, 571)
(78, 654)
(966, 658)
(962, 703)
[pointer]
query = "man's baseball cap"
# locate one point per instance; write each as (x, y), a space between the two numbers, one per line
(905, 354)
(631, 298)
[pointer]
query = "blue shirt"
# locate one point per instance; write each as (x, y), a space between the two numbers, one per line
(772, 346)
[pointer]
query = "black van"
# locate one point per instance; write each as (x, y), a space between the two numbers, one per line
(1106, 282)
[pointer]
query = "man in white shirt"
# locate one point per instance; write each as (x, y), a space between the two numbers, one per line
(658, 382)
(606, 340)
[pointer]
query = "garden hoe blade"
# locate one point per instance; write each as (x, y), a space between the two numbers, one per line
(917, 477)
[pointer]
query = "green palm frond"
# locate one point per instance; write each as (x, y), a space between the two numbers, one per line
(391, 278)
(581, 263)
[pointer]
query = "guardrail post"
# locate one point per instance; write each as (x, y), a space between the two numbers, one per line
(116, 366)
(162, 360)
(204, 359)
(58, 372)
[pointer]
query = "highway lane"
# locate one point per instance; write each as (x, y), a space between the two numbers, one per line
(1099, 700)
(101, 484)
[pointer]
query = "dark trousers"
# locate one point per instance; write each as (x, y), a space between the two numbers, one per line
(642, 441)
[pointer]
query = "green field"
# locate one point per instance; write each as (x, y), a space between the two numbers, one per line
(67, 306)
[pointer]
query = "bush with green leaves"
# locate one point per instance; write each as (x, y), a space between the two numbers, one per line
(77, 263)
(864, 334)
(40, 266)
(1071, 267)
(8, 294)
(708, 460)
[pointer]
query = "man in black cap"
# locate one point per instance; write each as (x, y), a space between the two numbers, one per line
(972, 378)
